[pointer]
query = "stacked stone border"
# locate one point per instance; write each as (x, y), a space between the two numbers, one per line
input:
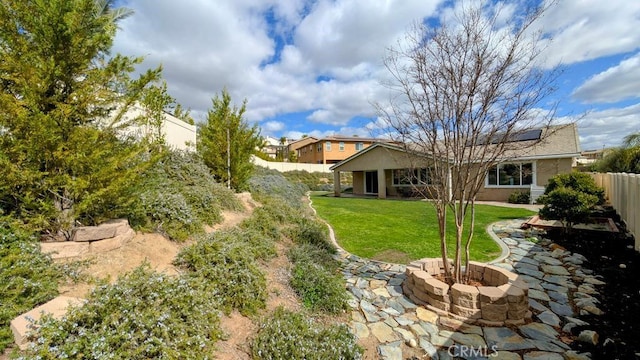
(502, 301)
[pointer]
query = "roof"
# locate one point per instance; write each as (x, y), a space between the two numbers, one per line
(560, 141)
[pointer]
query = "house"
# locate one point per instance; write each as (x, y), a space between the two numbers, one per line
(177, 133)
(271, 146)
(329, 150)
(382, 169)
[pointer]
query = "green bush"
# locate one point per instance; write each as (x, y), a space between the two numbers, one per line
(227, 265)
(319, 289)
(311, 231)
(581, 182)
(276, 185)
(145, 315)
(310, 253)
(179, 196)
(519, 197)
(28, 277)
(568, 205)
(292, 336)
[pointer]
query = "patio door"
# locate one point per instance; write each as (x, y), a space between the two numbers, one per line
(370, 182)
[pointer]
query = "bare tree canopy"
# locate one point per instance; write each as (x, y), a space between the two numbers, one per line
(466, 93)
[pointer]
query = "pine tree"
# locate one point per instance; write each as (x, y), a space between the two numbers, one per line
(226, 142)
(64, 153)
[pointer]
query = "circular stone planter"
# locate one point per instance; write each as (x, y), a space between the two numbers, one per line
(503, 301)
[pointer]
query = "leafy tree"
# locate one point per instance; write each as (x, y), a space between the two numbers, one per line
(226, 142)
(462, 91)
(623, 159)
(65, 155)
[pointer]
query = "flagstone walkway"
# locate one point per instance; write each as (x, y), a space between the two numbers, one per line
(561, 289)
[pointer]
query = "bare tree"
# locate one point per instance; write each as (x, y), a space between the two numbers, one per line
(464, 92)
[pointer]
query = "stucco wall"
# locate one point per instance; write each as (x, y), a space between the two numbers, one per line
(358, 182)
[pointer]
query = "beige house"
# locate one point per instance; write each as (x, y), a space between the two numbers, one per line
(329, 150)
(383, 169)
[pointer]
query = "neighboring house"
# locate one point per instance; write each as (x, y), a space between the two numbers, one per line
(385, 169)
(271, 146)
(329, 150)
(177, 133)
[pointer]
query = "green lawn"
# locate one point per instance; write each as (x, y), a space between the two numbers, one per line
(401, 230)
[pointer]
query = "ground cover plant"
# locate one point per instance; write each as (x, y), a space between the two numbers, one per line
(178, 196)
(289, 335)
(27, 277)
(403, 230)
(224, 261)
(144, 315)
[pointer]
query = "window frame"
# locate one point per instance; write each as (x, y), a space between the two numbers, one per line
(498, 185)
(341, 146)
(416, 179)
(359, 146)
(327, 145)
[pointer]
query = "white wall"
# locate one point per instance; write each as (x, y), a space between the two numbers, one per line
(291, 166)
(177, 133)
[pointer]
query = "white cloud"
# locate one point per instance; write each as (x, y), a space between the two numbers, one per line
(607, 128)
(271, 127)
(617, 83)
(588, 29)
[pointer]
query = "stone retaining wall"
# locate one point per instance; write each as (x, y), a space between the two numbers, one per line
(502, 301)
(91, 239)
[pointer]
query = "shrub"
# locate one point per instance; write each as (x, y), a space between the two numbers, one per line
(179, 196)
(568, 205)
(228, 267)
(311, 253)
(144, 315)
(519, 197)
(288, 335)
(319, 288)
(28, 277)
(276, 185)
(311, 231)
(581, 182)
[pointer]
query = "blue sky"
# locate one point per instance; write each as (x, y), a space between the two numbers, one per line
(314, 67)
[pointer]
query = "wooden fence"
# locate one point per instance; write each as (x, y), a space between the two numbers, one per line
(623, 192)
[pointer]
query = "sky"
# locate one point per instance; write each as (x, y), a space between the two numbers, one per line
(316, 67)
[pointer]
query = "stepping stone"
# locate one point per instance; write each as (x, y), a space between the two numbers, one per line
(549, 318)
(542, 355)
(519, 251)
(505, 339)
(555, 270)
(360, 330)
(471, 340)
(548, 260)
(538, 331)
(509, 241)
(406, 303)
(522, 265)
(430, 328)
(382, 292)
(592, 280)
(533, 273)
(367, 307)
(546, 345)
(561, 309)
(560, 280)
(57, 308)
(403, 321)
(383, 332)
(537, 306)
(556, 288)
(505, 355)
(528, 260)
(396, 281)
(394, 290)
(406, 334)
(561, 298)
(576, 321)
(429, 348)
(538, 295)
(426, 315)
(390, 352)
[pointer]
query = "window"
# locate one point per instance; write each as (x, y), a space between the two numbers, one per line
(406, 177)
(327, 145)
(359, 146)
(341, 145)
(319, 147)
(516, 174)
